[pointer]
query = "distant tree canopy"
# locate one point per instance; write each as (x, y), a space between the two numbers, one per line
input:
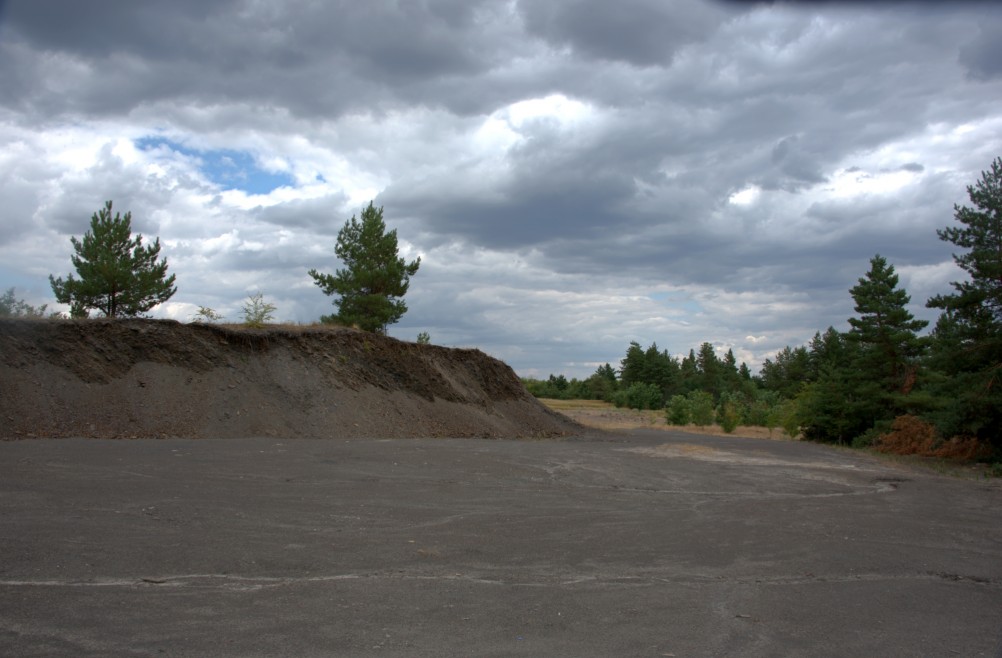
(881, 378)
(374, 279)
(118, 275)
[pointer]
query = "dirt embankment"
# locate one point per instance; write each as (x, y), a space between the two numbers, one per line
(155, 378)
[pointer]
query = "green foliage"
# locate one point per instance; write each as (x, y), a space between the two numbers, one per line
(206, 315)
(650, 366)
(867, 439)
(257, 312)
(728, 415)
(845, 384)
(967, 348)
(601, 385)
(831, 349)
(700, 408)
(639, 396)
(886, 332)
(632, 366)
(710, 370)
(423, 338)
(677, 412)
(554, 388)
(790, 370)
(118, 276)
(12, 307)
(644, 396)
(620, 399)
(758, 409)
(834, 409)
(787, 416)
(374, 279)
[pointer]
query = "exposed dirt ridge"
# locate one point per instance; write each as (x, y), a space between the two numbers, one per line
(153, 378)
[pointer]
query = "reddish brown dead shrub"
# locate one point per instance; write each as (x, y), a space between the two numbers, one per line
(966, 448)
(909, 435)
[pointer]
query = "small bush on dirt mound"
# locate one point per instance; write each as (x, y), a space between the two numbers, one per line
(910, 435)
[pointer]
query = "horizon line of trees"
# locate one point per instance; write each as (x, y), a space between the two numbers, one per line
(882, 380)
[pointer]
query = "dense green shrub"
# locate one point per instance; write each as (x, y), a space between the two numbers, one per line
(677, 412)
(639, 396)
(700, 408)
(728, 415)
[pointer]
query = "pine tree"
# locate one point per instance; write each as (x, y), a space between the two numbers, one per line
(118, 275)
(788, 372)
(831, 348)
(631, 367)
(885, 330)
(689, 376)
(710, 370)
(838, 401)
(967, 346)
(978, 301)
(374, 279)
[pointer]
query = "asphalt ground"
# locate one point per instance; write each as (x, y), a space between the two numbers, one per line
(629, 544)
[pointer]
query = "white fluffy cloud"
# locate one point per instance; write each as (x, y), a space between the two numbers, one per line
(574, 177)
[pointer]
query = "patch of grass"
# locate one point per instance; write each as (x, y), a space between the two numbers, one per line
(940, 465)
(288, 327)
(560, 405)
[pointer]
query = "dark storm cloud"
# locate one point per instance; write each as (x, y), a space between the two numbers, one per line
(548, 156)
(982, 55)
(312, 58)
(785, 130)
(528, 213)
(639, 32)
(322, 216)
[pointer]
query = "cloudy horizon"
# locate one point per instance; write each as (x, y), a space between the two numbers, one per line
(574, 174)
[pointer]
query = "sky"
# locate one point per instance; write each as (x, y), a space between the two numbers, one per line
(574, 174)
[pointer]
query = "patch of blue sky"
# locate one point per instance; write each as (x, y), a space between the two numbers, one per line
(675, 300)
(227, 168)
(22, 283)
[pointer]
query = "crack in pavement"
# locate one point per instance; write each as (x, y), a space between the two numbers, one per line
(233, 582)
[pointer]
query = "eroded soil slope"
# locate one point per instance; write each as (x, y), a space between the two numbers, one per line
(156, 378)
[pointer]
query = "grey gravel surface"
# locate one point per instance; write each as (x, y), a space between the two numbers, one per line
(627, 544)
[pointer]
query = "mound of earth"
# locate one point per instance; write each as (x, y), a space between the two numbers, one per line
(157, 378)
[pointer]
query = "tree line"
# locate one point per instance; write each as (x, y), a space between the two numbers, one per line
(886, 381)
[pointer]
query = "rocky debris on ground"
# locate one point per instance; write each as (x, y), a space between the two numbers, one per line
(158, 378)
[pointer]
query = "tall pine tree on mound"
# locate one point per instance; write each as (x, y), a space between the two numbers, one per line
(118, 275)
(967, 345)
(374, 279)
